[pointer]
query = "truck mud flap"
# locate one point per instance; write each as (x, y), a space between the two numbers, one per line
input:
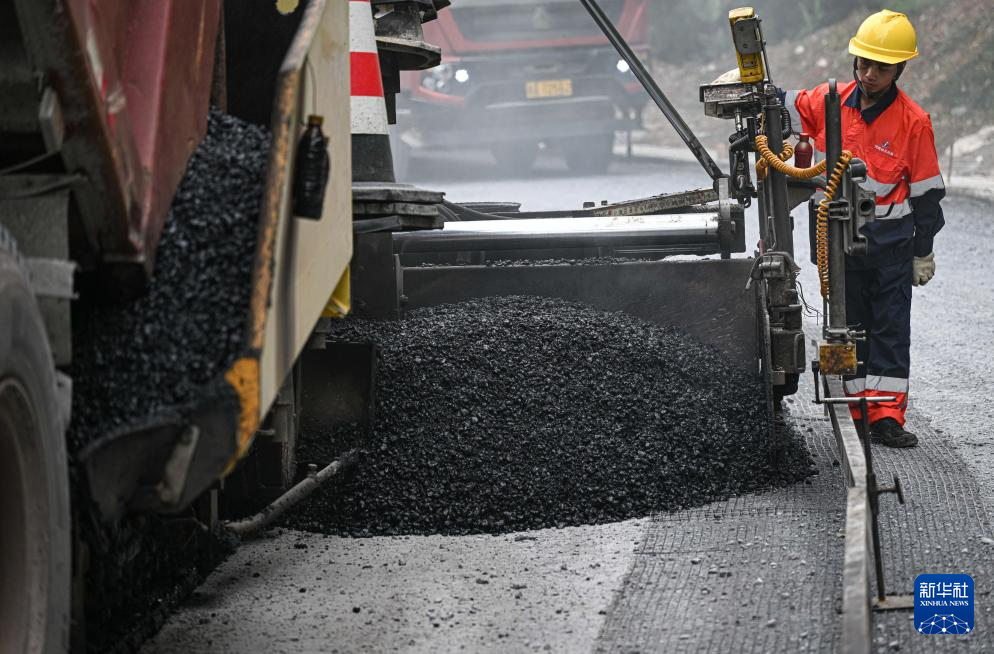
(162, 463)
(164, 459)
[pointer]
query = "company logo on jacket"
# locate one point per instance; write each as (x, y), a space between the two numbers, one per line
(885, 148)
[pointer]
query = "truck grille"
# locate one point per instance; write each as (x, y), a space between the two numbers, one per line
(552, 19)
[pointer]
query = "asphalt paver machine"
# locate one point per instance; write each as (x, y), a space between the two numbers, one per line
(102, 106)
(623, 255)
(98, 127)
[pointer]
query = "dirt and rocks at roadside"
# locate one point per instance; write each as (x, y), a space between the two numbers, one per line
(518, 413)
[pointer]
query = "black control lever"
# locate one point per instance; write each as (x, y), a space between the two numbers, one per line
(897, 489)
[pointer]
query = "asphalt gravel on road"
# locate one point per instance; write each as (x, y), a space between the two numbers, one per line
(517, 413)
(135, 359)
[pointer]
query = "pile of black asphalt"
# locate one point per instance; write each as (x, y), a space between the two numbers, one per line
(134, 359)
(517, 413)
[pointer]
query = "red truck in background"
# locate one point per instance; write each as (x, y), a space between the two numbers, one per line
(517, 75)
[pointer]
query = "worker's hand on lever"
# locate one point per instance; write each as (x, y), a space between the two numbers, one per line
(924, 269)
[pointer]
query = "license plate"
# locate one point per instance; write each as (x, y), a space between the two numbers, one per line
(550, 88)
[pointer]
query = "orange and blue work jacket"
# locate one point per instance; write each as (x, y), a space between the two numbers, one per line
(894, 137)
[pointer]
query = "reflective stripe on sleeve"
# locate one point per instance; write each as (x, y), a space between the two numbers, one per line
(920, 188)
(790, 99)
(893, 210)
(879, 188)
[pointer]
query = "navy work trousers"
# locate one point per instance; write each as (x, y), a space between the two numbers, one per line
(878, 300)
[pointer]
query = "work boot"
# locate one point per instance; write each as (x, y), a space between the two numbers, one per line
(891, 434)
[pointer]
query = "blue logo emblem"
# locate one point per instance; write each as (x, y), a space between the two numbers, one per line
(944, 604)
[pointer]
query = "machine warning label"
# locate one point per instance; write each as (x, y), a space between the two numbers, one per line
(944, 604)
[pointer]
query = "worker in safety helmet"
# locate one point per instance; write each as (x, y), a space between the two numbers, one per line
(882, 126)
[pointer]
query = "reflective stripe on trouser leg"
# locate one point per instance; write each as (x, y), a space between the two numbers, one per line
(879, 301)
(855, 387)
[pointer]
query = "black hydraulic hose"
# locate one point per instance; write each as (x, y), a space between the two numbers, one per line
(649, 84)
(42, 189)
(452, 212)
(27, 163)
(448, 215)
(461, 213)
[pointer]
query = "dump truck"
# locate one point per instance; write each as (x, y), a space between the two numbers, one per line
(515, 76)
(102, 108)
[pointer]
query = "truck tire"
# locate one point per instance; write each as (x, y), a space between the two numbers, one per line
(35, 549)
(589, 156)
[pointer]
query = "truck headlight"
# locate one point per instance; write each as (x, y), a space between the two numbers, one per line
(623, 66)
(438, 78)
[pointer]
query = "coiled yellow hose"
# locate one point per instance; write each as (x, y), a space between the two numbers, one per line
(769, 159)
(778, 162)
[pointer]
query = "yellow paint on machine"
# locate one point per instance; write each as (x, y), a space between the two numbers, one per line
(243, 376)
(748, 44)
(298, 270)
(340, 303)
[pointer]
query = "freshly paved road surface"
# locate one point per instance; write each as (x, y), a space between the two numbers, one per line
(699, 580)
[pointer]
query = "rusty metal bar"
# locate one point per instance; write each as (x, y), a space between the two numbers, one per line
(836, 230)
(857, 400)
(664, 203)
(251, 526)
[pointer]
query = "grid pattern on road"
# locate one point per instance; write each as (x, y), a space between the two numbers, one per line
(940, 530)
(757, 573)
(762, 573)
(944, 528)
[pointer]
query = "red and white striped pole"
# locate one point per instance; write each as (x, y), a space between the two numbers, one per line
(372, 160)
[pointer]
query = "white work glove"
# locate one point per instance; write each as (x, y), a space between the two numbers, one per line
(923, 269)
(729, 77)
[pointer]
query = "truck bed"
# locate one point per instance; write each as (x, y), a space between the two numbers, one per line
(124, 102)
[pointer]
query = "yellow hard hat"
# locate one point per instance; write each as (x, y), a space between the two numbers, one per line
(886, 36)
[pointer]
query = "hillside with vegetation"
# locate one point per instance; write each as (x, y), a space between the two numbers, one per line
(952, 78)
